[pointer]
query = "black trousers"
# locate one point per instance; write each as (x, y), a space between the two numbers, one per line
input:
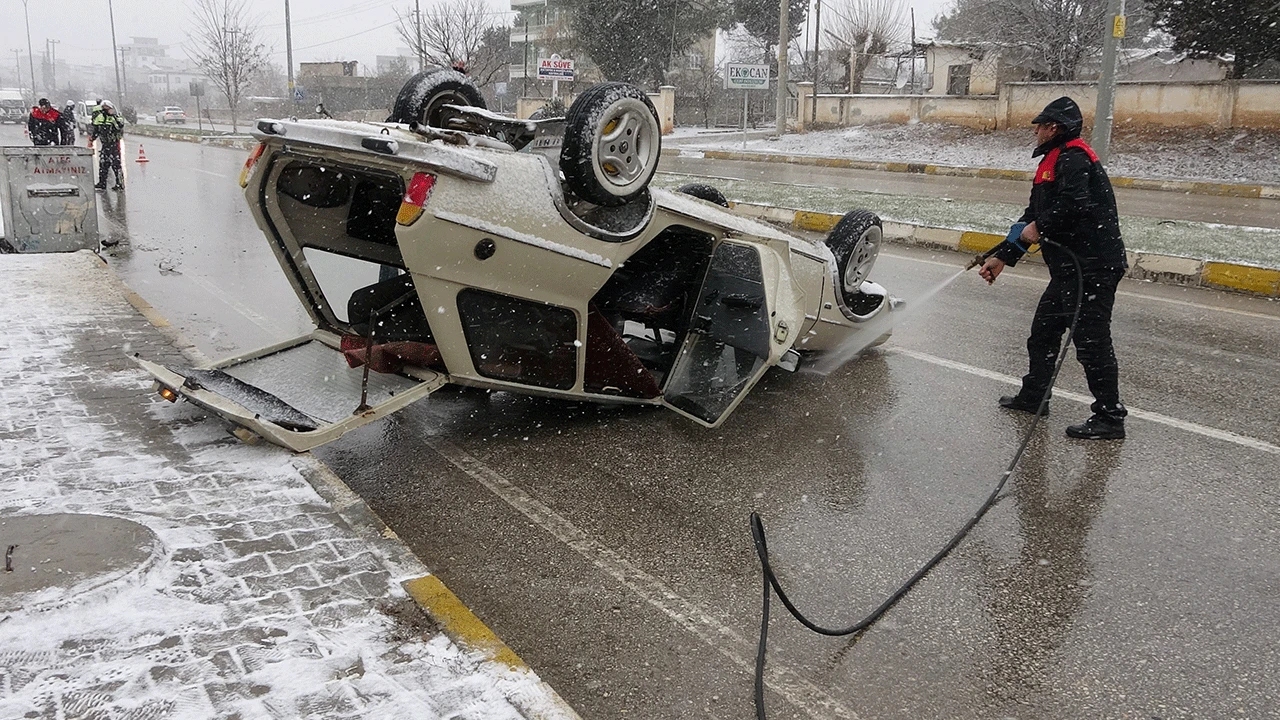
(109, 159)
(1092, 338)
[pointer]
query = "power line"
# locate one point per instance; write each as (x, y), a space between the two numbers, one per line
(367, 6)
(345, 37)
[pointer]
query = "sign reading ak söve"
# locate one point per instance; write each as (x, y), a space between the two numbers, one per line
(740, 76)
(555, 68)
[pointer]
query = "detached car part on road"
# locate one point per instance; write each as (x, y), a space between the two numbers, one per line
(454, 245)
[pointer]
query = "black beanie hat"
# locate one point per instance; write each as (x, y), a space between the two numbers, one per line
(1063, 111)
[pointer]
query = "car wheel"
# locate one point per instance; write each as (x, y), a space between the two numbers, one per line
(855, 241)
(704, 192)
(611, 144)
(424, 94)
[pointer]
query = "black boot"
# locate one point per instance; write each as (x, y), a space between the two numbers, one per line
(1022, 403)
(1098, 427)
(100, 186)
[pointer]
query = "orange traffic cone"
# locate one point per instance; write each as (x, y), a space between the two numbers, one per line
(142, 156)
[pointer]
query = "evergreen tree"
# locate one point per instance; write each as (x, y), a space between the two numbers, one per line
(636, 41)
(1248, 29)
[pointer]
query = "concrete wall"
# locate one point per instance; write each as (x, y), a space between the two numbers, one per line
(975, 111)
(1243, 103)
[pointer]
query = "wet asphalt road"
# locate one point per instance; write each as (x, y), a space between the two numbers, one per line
(610, 547)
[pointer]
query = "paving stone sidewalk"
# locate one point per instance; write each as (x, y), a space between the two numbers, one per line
(257, 599)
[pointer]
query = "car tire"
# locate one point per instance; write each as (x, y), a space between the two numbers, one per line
(855, 241)
(704, 192)
(424, 94)
(612, 140)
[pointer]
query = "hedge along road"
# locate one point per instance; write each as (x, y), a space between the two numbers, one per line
(610, 547)
(1165, 205)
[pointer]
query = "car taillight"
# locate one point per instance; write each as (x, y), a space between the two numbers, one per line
(415, 198)
(248, 164)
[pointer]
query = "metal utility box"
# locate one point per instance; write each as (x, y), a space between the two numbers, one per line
(47, 199)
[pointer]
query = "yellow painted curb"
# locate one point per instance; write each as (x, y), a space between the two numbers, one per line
(1242, 277)
(1206, 188)
(459, 623)
(816, 221)
(979, 242)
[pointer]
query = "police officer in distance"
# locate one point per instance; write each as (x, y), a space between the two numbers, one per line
(1073, 206)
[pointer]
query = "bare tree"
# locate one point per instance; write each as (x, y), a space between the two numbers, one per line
(1053, 38)
(458, 31)
(226, 46)
(864, 30)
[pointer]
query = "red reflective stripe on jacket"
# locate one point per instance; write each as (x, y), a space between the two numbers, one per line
(51, 114)
(1045, 173)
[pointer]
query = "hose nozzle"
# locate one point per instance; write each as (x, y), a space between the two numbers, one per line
(976, 261)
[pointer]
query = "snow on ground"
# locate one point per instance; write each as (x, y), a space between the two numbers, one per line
(1209, 241)
(1232, 155)
(259, 600)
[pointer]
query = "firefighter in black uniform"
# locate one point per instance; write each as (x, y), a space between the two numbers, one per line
(1073, 207)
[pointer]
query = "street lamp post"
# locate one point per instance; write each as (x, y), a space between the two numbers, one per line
(31, 63)
(115, 52)
(288, 44)
(417, 13)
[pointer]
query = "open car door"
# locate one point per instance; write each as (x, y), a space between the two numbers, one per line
(727, 347)
(298, 394)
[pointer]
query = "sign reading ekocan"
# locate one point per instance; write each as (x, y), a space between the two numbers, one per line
(555, 68)
(740, 76)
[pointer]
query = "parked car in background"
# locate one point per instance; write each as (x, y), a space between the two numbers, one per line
(171, 114)
(13, 108)
(84, 115)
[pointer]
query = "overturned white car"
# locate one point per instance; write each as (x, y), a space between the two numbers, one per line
(454, 245)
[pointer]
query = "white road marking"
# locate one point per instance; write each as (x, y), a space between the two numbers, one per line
(1224, 435)
(263, 323)
(741, 652)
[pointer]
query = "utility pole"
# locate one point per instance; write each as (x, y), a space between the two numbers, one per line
(913, 51)
(1103, 115)
(417, 14)
(31, 63)
(124, 68)
(233, 62)
(115, 52)
(817, 58)
(524, 79)
(17, 64)
(784, 39)
(53, 63)
(288, 44)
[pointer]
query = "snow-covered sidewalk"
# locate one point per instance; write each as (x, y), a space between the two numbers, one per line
(241, 592)
(1232, 155)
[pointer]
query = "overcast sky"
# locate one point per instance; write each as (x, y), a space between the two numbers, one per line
(322, 29)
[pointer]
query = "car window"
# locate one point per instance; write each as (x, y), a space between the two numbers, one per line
(520, 340)
(728, 342)
(315, 185)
